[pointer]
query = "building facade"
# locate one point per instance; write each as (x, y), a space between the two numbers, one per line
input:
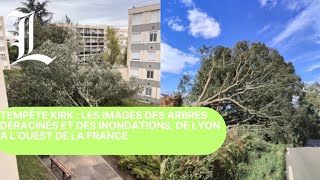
(144, 50)
(4, 56)
(94, 38)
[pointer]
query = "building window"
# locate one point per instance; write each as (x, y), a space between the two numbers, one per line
(148, 91)
(137, 19)
(135, 56)
(151, 55)
(150, 74)
(154, 16)
(134, 72)
(153, 36)
(136, 38)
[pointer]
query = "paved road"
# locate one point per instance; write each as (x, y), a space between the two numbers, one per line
(303, 163)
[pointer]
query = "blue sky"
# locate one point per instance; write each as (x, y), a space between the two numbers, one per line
(290, 26)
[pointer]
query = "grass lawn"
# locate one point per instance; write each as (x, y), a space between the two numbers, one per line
(12, 72)
(30, 168)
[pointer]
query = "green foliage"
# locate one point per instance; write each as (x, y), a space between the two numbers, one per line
(112, 54)
(247, 157)
(143, 167)
(66, 82)
(124, 57)
(13, 52)
(313, 95)
(68, 20)
(51, 32)
(265, 160)
(30, 167)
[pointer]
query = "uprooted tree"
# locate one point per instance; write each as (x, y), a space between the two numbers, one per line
(66, 81)
(251, 84)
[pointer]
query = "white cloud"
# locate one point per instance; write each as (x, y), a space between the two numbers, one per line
(270, 3)
(202, 25)
(294, 5)
(175, 24)
(193, 50)
(174, 61)
(313, 67)
(307, 57)
(309, 17)
(264, 29)
(95, 12)
(188, 3)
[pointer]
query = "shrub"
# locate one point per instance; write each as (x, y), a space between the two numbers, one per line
(143, 167)
(247, 157)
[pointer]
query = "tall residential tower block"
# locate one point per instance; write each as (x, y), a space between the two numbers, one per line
(144, 50)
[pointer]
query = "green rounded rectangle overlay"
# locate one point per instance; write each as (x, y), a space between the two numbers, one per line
(111, 130)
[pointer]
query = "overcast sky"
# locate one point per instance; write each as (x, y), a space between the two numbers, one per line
(93, 12)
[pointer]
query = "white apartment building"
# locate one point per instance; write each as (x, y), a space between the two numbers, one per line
(144, 50)
(4, 55)
(94, 38)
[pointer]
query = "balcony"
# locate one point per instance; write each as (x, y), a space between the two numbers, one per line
(100, 35)
(101, 43)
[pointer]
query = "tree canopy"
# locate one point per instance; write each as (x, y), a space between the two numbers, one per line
(113, 52)
(313, 95)
(251, 84)
(54, 33)
(67, 82)
(40, 8)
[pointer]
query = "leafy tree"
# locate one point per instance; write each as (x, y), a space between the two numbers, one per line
(13, 52)
(313, 95)
(124, 57)
(251, 84)
(68, 20)
(40, 8)
(52, 32)
(66, 82)
(313, 99)
(113, 52)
